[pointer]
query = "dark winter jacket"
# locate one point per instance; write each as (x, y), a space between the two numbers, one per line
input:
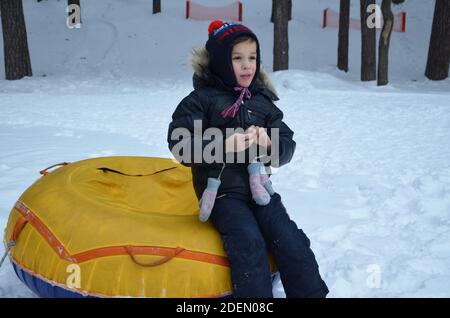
(206, 103)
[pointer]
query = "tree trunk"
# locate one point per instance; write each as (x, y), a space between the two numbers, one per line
(344, 20)
(273, 10)
(15, 43)
(281, 38)
(383, 45)
(156, 6)
(77, 2)
(439, 50)
(368, 44)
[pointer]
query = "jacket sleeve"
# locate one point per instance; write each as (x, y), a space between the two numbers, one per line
(283, 144)
(185, 135)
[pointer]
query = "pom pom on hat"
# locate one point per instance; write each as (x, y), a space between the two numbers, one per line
(214, 26)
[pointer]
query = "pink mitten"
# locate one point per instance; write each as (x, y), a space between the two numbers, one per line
(259, 192)
(208, 198)
(265, 181)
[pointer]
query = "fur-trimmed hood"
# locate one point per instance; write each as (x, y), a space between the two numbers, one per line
(200, 60)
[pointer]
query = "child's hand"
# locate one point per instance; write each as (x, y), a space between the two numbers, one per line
(239, 142)
(262, 138)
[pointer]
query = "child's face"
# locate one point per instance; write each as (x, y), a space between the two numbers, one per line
(244, 60)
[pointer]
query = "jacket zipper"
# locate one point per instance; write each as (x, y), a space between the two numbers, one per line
(241, 115)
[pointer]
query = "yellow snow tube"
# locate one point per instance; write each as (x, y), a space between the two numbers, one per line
(117, 226)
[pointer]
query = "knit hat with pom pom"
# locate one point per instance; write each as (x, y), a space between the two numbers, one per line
(219, 46)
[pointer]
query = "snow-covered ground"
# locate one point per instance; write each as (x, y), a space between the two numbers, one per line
(369, 183)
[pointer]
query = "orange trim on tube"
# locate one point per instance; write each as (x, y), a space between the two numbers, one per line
(168, 252)
(43, 230)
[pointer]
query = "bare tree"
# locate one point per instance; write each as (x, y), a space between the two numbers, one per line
(156, 6)
(383, 45)
(273, 10)
(439, 50)
(281, 38)
(385, 40)
(344, 21)
(368, 43)
(77, 2)
(15, 42)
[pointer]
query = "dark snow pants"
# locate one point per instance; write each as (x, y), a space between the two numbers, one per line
(248, 232)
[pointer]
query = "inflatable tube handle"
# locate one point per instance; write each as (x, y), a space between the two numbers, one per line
(44, 172)
(18, 227)
(161, 261)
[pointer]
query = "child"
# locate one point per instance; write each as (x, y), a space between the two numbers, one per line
(231, 91)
